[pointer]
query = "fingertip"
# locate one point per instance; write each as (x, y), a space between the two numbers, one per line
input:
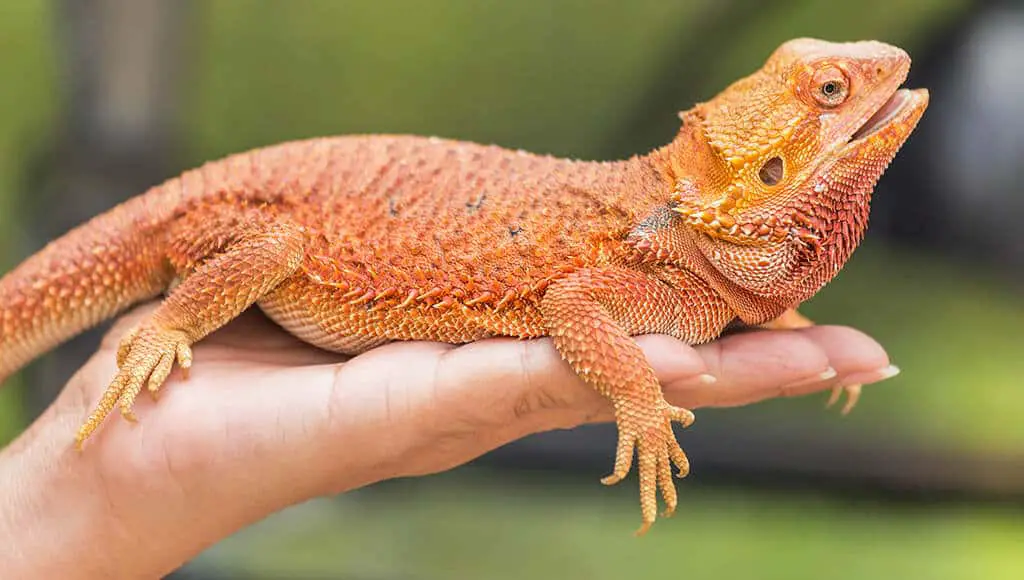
(848, 350)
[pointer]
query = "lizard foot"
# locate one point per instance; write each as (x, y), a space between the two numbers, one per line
(852, 396)
(145, 356)
(650, 434)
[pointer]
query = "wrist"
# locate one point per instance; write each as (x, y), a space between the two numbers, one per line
(54, 519)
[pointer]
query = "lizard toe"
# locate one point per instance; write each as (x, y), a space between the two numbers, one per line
(852, 396)
(623, 458)
(125, 346)
(145, 358)
(657, 450)
(665, 483)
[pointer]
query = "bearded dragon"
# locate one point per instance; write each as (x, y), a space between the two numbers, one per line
(350, 242)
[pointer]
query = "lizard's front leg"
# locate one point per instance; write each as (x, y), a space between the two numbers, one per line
(256, 259)
(591, 316)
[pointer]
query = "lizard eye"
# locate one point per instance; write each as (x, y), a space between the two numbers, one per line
(831, 87)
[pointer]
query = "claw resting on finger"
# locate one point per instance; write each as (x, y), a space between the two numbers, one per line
(852, 396)
(853, 393)
(125, 346)
(183, 353)
(833, 398)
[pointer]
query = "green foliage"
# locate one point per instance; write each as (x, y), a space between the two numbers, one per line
(27, 97)
(548, 76)
(27, 110)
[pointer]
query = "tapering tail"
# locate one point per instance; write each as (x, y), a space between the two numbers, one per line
(84, 277)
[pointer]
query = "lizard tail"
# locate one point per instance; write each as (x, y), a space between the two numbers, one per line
(90, 274)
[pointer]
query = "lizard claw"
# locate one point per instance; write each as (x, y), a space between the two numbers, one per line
(125, 345)
(852, 394)
(145, 357)
(651, 436)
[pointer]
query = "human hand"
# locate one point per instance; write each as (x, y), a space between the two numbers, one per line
(266, 421)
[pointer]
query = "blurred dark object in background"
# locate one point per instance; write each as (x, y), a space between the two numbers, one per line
(961, 191)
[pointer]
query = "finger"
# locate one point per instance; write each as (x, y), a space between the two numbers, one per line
(444, 405)
(500, 381)
(759, 365)
(849, 350)
(856, 358)
(750, 367)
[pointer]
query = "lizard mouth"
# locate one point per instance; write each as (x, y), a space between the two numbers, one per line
(891, 123)
(884, 115)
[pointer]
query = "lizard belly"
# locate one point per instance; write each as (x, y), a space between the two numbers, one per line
(328, 318)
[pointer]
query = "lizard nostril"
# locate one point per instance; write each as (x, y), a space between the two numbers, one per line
(771, 172)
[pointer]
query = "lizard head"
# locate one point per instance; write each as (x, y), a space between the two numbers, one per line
(780, 166)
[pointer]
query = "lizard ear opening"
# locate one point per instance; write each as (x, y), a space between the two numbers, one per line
(772, 171)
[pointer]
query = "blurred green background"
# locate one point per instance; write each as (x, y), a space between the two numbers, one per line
(924, 480)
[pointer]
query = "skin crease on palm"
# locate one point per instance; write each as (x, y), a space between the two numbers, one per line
(256, 428)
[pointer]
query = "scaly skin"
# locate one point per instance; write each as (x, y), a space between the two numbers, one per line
(351, 242)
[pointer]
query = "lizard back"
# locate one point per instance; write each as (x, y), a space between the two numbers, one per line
(388, 218)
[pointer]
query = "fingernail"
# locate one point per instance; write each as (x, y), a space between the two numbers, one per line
(707, 379)
(889, 372)
(829, 373)
(868, 377)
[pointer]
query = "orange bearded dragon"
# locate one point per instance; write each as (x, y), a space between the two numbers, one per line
(354, 241)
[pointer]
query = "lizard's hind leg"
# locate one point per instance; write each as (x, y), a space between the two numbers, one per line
(248, 262)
